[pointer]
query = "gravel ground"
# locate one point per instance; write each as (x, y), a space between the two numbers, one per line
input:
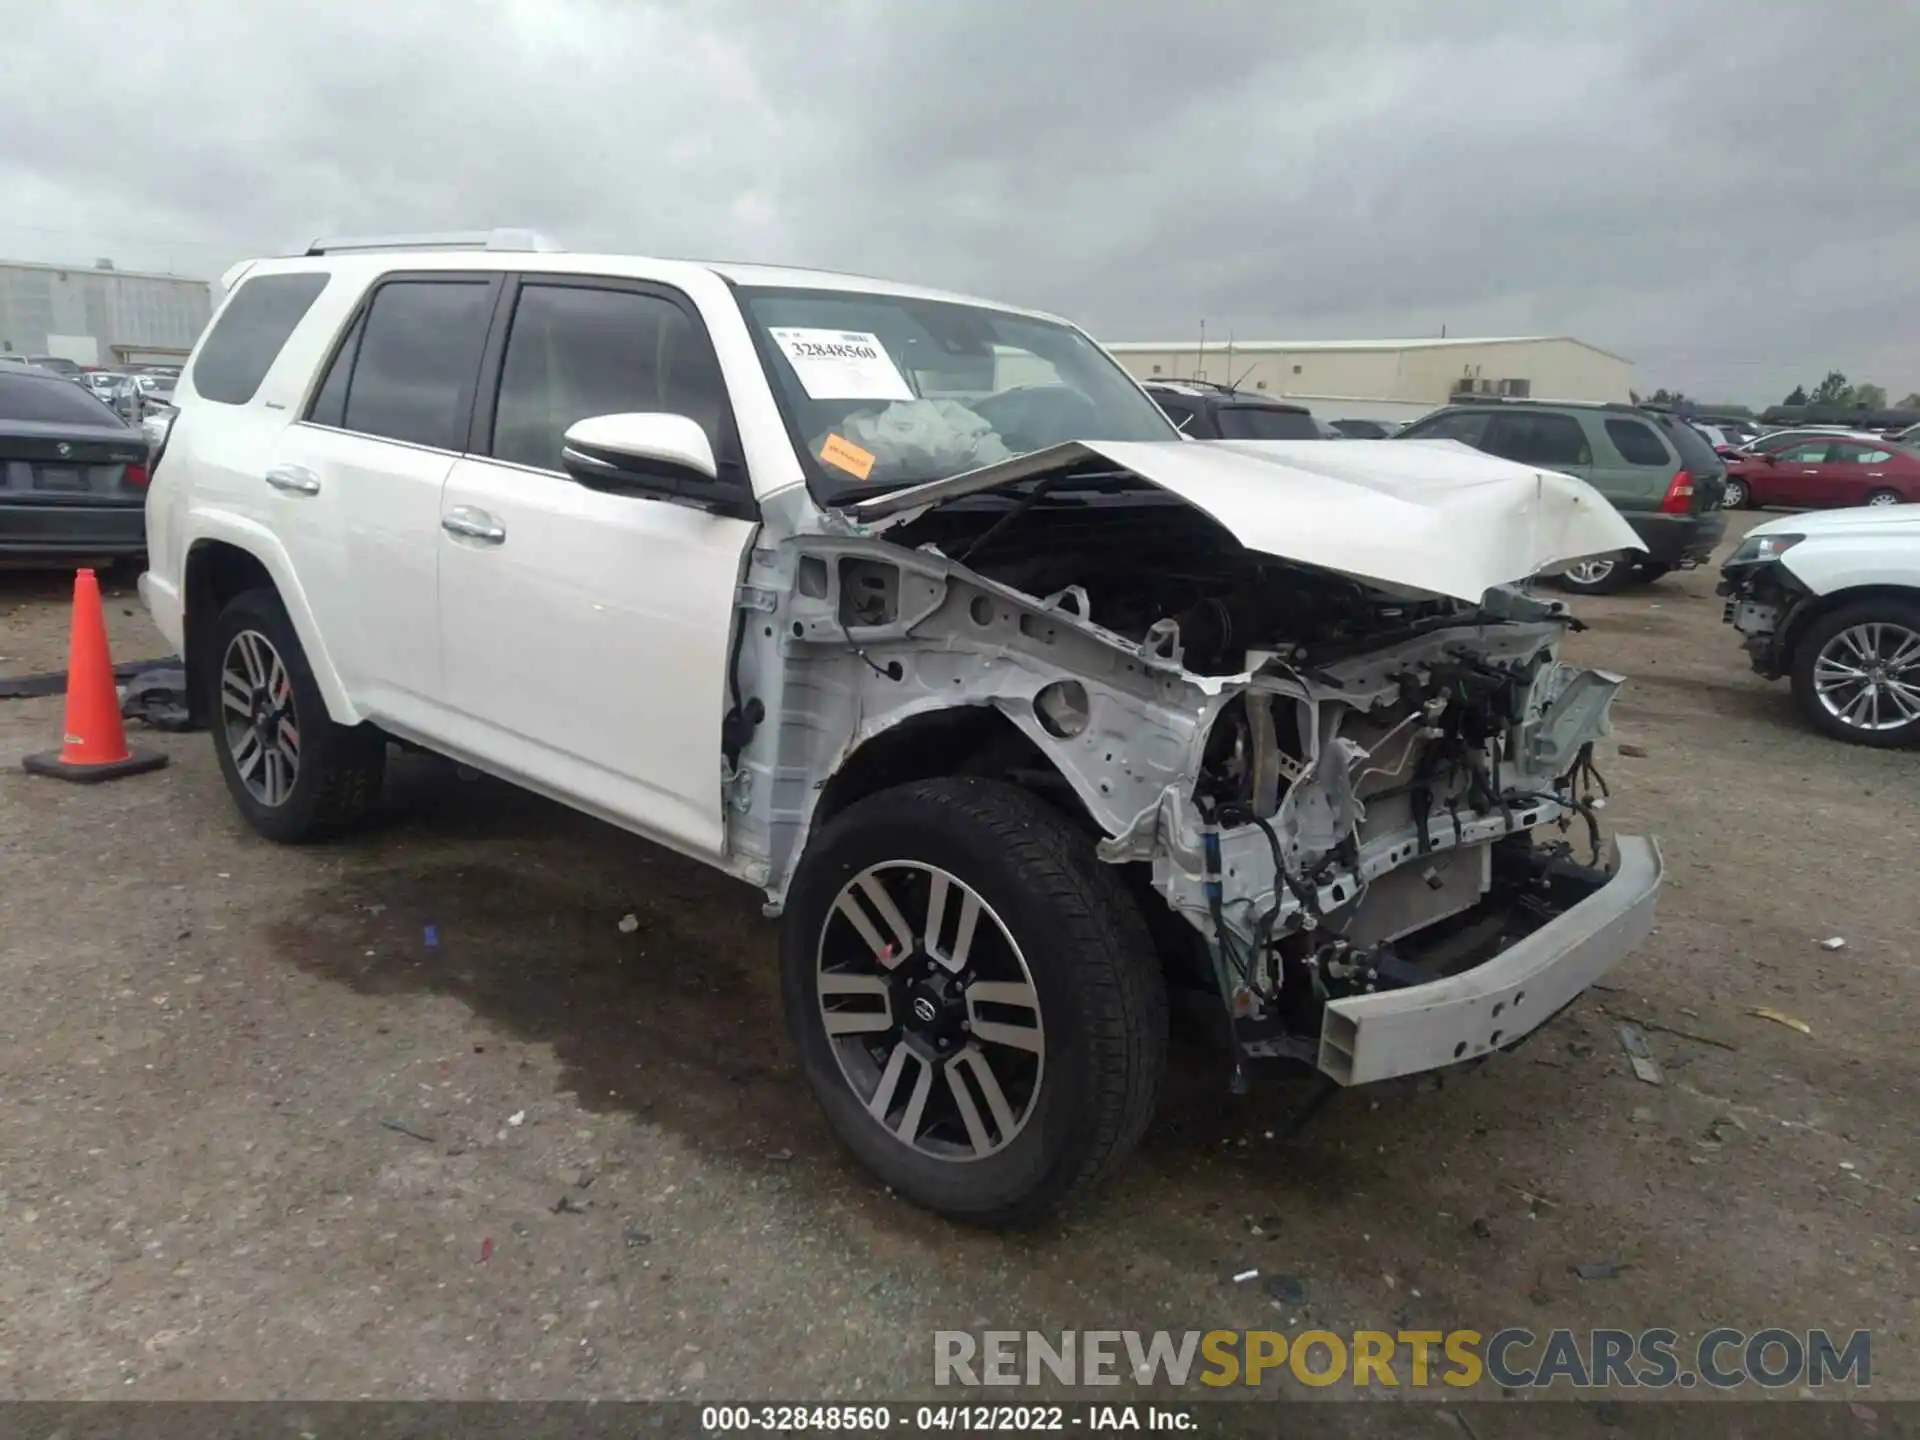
(266, 1138)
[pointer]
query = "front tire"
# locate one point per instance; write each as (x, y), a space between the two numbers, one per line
(293, 773)
(1856, 673)
(1604, 576)
(974, 998)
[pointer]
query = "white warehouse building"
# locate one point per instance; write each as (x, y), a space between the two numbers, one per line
(1390, 379)
(98, 315)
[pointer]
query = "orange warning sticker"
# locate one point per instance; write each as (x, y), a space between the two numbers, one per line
(843, 454)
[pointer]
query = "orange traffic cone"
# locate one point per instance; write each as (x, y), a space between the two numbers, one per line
(95, 744)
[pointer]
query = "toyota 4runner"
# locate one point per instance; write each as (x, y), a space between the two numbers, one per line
(1030, 718)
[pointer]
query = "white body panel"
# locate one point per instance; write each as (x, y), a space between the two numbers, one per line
(1846, 549)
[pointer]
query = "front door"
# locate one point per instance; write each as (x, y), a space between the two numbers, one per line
(585, 636)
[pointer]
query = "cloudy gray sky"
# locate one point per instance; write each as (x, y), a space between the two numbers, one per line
(1726, 192)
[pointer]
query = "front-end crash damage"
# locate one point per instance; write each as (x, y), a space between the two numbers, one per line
(1290, 689)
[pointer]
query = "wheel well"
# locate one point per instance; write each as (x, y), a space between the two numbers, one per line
(216, 572)
(965, 740)
(1820, 606)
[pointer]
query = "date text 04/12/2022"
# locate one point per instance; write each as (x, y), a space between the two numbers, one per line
(962, 1418)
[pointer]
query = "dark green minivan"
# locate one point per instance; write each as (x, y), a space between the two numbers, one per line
(1659, 472)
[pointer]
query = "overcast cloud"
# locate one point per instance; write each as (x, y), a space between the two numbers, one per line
(1726, 192)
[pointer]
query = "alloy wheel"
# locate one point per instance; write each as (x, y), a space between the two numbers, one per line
(257, 718)
(1590, 572)
(1868, 676)
(1734, 497)
(1885, 497)
(931, 1011)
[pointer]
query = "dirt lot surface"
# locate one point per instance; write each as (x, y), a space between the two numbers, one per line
(413, 1116)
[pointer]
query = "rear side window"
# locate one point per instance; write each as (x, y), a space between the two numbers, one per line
(1637, 443)
(1261, 422)
(1538, 439)
(248, 336)
(577, 350)
(1860, 455)
(1466, 426)
(416, 362)
(52, 401)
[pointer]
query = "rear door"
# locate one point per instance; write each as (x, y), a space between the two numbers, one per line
(585, 635)
(1796, 476)
(1541, 438)
(1636, 465)
(1854, 471)
(363, 472)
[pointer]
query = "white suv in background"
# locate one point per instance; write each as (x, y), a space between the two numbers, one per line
(916, 613)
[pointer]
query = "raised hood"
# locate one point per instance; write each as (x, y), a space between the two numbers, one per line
(1430, 516)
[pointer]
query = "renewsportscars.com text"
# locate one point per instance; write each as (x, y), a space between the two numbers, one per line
(1516, 1359)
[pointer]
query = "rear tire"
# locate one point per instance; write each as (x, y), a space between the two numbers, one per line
(1855, 639)
(294, 774)
(1605, 576)
(1074, 1045)
(1886, 497)
(1735, 496)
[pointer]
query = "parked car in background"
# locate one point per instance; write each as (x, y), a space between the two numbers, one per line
(1366, 429)
(1833, 602)
(1659, 472)
(73, 475)
(1725, 442)
(1208, 410)
(1781, 439)
(59, 365)
(1825, 472)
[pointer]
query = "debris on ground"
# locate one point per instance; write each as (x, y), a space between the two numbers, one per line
(1635, 752)
(1641, 1057)
(567, 1205)
(157, 697)
(1287, 1289)
(433, 937)
(629, 923)
(1599, 1270)
(401, 1129)
(486, 1248)
(1718, 1130)
(1664, 1029)
(780, 1155)
(635, 1237)
(1834, 942)
(54, 682)
(1767, 1012)
(517, 1119)
(1481, 1229)
(1245, 1275)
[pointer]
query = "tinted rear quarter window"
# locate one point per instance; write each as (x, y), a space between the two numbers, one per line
(1637, 443)
(248, 336)
(1262, 422)
(418, 358)
(1538, 439)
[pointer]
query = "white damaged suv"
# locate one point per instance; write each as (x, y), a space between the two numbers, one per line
(1030, 717)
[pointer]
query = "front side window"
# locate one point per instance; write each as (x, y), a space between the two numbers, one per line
(1466, 426)
(890, 390)
(249, 335)
(1264, 422)
(414, 370)
(575, 351)
(1548, 441)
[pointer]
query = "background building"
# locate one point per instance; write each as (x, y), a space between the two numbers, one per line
(100, 316)
(1391, 379)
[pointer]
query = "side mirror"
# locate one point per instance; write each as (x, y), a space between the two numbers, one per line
(653, 451)
(1770, 456)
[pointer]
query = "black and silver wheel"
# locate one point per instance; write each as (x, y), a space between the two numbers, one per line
(1601, 576)
(974, 997)
(1885, 497)
(1734, 496)
(292, 772)
(1857, 672)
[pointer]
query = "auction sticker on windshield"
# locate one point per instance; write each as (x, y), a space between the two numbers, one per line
(842, 365)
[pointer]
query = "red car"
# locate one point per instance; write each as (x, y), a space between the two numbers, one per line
(1824, 473)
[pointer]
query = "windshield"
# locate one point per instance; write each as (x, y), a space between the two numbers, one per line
(883, 391)
(1265, 422)
(52, 402)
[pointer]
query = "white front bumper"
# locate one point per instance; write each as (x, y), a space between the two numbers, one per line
(163, 604)
(1425, 1027)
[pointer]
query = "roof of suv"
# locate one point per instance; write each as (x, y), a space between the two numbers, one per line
(1225, 394)
(1534, 402)
(369, 260)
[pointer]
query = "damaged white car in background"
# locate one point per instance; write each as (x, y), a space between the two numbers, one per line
(1032, 719)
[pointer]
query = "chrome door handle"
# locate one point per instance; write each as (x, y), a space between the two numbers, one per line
(293, 480)
(473, 524)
